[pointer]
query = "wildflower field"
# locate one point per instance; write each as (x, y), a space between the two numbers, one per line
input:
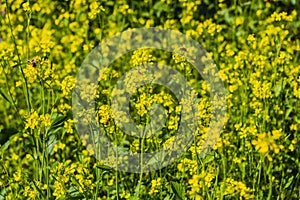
(255, 45)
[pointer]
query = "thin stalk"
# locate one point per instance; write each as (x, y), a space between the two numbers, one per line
(259, 174)
(141, 165)
(271, 182)
(25, 88)
(28, 32)
(10, 94)
(116, 174)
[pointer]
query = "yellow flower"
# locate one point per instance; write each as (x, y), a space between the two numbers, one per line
(155, 184)
(46, 120)
(267, 142)
(15, 156)
(36, 7)
(45, 187)
(59, 189)
(30, 72)
(110, 182)
(95, 8)
(67, 85)
(239, 20)
(262, 90)
(104, 114)
(18, 83)
(251, 38)
(17, 176)
(141, 56)
(90, 148)
(187, 19)
(261, 144)
(233, 186)
(26, 6)
(125, 195)
(259, 12)
(33, 193)
(58, 146)
(68, 125)
(276, 134)
(32, 120)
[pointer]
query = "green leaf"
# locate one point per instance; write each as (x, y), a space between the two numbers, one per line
(3, 193)
(74, 193)
(288, 112)
(4, 95)
(6, 133)
(167, 197)
(50, 144)
(5, 146)
(289, 182)
(157, 159)
(145, 14)
(59, 121)
(17, 65)
(110, 3)
(209, 157)
(133, 198)
(139, 190)
(277, 90)
(104, 167)
(178, 190)
(159, 7)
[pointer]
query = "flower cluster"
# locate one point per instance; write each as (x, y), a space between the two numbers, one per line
(255, 46)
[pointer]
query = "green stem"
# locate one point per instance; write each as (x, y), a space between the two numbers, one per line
(25, 88)
(10, 94)
(116, 174)
(28, 32)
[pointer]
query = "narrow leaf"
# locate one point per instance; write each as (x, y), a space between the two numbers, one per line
(4, 95)
(177, 189)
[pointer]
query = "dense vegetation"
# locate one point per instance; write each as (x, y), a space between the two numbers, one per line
(254, 44)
